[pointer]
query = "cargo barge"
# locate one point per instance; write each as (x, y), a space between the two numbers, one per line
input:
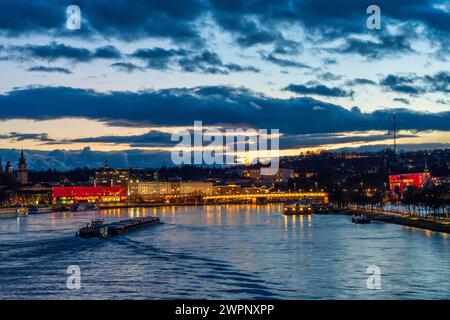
(102, 230)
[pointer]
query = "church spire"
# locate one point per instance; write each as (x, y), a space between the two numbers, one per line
(22, 172)
(22, 158)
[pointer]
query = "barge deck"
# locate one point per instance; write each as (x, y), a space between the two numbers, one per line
(102, 230)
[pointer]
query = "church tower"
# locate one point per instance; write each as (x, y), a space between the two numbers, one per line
(22, 172)
(9, 168)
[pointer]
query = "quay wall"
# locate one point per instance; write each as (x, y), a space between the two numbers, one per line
(421, 223)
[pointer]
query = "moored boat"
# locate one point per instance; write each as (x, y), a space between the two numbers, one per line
(83, 207)
(39, 210)
(60, 209)
(21, 211)
(297, 208)
(360, 219)
(33, 210)
(322, 208)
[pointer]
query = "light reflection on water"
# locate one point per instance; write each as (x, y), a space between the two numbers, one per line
(221, 252)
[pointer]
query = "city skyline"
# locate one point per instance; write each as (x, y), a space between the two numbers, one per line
(132, 75)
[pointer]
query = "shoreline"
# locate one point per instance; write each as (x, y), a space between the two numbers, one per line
(420, 223)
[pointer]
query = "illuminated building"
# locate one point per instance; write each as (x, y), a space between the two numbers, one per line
(237, 190)
(105, 195)
(195, 188)
(22, 172)
(401, 182)
(34, 195)
(252, 173)
(108, 177)
(439, 181)
(282, 176)
(148, 191)
(8, 186)
(227, 190)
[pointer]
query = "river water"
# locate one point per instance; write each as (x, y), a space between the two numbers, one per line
(221, 252)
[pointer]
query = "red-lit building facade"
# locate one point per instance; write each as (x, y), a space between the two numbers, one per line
(403, 181)
(71, 195)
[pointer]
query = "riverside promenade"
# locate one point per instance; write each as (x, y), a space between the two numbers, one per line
(403, 219)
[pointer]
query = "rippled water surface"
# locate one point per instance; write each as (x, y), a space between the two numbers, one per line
(221, 252)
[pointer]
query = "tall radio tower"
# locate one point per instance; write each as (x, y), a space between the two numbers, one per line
(395, 133)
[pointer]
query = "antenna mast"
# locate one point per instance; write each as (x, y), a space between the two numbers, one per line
(395, 133)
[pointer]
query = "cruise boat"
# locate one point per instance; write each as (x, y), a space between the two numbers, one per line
(22, 211)
(83, 207)
(297, 208)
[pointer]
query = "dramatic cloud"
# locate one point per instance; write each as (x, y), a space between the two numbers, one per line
(385, 46)
(206, 61)
(55, 51)
(256, 22)
(50, 69)
(127, 67)
(150, 139)
(119, 19)
(155, 58)
(159, 58)
(107, 52)
(402, 100)
(360, 82)
(440, 82)
(261, 22)
(213, 105)
(284, 62)
(37, 17)
(63, 160)
(328, 76)
(320, 90)
(414, 84)
(402, 84)
(304, 49)
(188, 61)
(17, 136)
(443, 101)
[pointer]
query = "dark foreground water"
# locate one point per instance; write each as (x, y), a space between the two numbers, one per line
(228, 252)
